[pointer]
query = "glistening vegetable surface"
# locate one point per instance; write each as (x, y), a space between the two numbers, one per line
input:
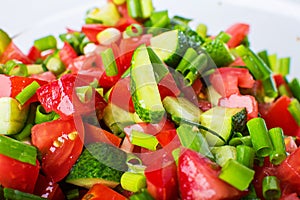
(137, 104)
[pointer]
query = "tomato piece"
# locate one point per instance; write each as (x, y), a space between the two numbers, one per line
(60, 96)
(241, 101)
(167, 87)
(34, 54)
(45, 76)
(226, 80)
(279, 116)
(47, 188)
(61, 143)
(161, 179)
(97, 134)
(289, 171)
(12, 52)
(166, 137)
(91, 31)
(18, 175)
(11, 86)
(204, 105)
(121, 96)
(237, 62)
(238, 33)
(67, 54)
(99, 191)
(198, 178)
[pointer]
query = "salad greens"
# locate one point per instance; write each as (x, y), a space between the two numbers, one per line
(139, 105)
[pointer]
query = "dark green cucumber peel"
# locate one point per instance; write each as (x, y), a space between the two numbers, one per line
(144, 89)
(11, 194)
(18, 150)
(99, 163)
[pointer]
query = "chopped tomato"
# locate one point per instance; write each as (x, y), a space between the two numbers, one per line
(241, 101)
(161, 179)
(289, 171)
(18, 175)
(99, 191)
(279, 116)
(198, 178)
(11, 86)
(12, 52)
(34, 53)
(45, 76)
(227, 80)
(91, 31)
(46, 188)
(237, 62)
(167, 87)
(60, 143)
(60, 96)
(238, 32)
(67, 54)
(97, 134)
(120, 95)
(204, 105)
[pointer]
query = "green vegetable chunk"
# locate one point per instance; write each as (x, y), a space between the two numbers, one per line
(99, 163)
(144, 89)
(4, 41)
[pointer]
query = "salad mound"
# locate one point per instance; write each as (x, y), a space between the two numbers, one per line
(140, 105)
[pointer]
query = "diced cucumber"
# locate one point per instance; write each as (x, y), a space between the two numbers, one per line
(170, 46)
(223, 121)
(11, 194)
(13, 116)
(144, 89)
(99, 163)
(180, 108)
(116, 118)
(17, 150)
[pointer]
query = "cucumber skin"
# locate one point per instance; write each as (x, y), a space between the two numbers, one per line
(101, 161)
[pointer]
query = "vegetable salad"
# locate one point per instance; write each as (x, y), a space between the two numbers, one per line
(139, 105)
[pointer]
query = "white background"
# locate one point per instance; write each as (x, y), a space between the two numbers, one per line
(275, 24)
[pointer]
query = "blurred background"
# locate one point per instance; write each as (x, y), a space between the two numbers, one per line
(275, 24)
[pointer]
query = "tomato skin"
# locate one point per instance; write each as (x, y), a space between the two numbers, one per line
(59, 150)
(279, 116)
(67, 54)
(91, 31)
(227, 80)
(198, 179)
(18, 175)
(238, 33)
(34, 54)
(162, 180)
(289, 171)
(11, 86)
(48, 189)
(102, 192)
(167, 87)
(12, 52)
(241, 101)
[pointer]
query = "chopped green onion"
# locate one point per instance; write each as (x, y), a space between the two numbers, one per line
(273, 62)
(134, 30)
(19, 70)
(187, 58)
(134, 8)
(295, 88)
(294, 109)
(224, 37)
(159, 20)
(245, 155)
(84, 93)
(109, 62)
(72, 194)
(279, 154)
(35, 69)
(143, 195)
(41, 115)
(270, 88)
(245, 140)
(143, 140)
(264, 56)
(147, 8)
(197, 66)
(202, 30)
(282, 89)
(223, 153)
(26, 131)
(284, 66)
(260, 137)
(136, 168)
(133, 182)
(271, 188)
(27, 92)
(45, 43)
(190, 137)
(55, 65)
(236, 174)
